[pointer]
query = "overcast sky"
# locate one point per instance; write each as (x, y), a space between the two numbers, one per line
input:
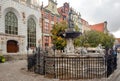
(97, 11)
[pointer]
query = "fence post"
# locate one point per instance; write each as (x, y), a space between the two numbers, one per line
(54, 47)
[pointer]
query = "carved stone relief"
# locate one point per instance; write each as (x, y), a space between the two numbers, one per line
(23, 16)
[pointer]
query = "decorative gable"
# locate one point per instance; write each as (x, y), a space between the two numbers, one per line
(52, 7)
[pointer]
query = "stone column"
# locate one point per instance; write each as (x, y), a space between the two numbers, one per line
(21, 46)
(4, 46)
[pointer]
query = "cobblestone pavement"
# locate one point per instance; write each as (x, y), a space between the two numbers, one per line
(16, 71)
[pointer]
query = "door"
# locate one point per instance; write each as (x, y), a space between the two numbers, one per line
(12, 46)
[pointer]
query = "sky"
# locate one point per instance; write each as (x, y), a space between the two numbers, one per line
(96, 11)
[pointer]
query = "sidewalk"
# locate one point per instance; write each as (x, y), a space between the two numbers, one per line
(16, 71)
(115, 76)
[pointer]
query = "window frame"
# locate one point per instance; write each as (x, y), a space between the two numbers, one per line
(11, 23)
(31, 32)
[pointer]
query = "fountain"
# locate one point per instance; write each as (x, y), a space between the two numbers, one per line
(70, 34)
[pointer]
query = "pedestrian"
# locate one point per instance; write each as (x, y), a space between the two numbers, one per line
(114, 53)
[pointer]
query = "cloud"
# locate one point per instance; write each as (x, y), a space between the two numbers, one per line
(116, 34)
(108, 11)
(96, 11)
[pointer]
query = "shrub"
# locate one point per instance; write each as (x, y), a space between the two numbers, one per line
(2, 59)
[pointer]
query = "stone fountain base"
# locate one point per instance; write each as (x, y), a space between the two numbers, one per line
(70, 47)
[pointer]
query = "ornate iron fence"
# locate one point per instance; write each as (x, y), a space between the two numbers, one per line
(75, 67)
(85, 67)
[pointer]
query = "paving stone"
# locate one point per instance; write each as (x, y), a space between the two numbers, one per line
(17, 71)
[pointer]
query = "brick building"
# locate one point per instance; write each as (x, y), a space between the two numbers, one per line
(50, 16)
(64, 11)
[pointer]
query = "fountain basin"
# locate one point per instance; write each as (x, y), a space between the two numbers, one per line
(71, 34)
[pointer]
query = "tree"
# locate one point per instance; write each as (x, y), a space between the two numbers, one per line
(87, 39)
(94, 38)
(108, 40)
(77, 40)
(57, 40)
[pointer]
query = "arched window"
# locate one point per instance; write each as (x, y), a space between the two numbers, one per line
(31, 32)
(11, 23)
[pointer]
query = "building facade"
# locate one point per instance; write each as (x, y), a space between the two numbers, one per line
(76, 17)
(85, 25)
(50, 16)
(63, 11)
(19, 26)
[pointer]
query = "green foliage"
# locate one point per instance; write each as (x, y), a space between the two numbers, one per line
(76, 28)
(94, 38)
(57, 40)
(87, 39)
(2, 59)
(108, 40)
(77, 40)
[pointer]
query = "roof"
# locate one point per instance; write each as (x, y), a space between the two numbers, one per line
(98, 27)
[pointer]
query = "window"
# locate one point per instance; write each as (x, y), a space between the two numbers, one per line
(0, 8)
(31, 32)
(64, 17)
(11, 23)
(52, 17)
(53, 7)
(52, 25)
(46, 27)
(46, 15)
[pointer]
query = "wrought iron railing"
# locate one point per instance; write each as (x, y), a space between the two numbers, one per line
(82, 67)
(75, 67)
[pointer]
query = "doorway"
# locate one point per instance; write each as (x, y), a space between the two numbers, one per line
(12, 46)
